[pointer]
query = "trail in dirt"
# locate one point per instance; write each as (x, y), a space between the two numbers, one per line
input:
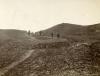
(24, 57)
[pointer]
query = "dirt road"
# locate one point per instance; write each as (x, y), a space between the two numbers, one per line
(24, 57)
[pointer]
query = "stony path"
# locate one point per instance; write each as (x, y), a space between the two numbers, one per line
(24, 57)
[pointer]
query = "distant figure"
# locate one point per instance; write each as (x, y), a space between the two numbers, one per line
(58, 35)
(52, 34)
(29, 32)
(40, 33)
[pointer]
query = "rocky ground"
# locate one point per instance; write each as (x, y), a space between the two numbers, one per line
(60, 59)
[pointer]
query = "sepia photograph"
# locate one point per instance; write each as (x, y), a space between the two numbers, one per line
(49, 37)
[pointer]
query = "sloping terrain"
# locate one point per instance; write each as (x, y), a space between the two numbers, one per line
(93, 32)
(79, 60)
(13, 64)
(13, 44)
(75, 53)
(73, 32)
(64, 29)
(12, 34)
(11, 51)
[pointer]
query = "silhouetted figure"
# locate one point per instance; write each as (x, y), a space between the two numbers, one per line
(58, 35)
(52, 34)
(40, 33)
(29, 33)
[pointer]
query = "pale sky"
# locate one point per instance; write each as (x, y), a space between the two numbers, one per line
(36, 15)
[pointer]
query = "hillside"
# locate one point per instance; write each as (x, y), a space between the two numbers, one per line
(93, 32)
(75, 60)
(73, 32)
(13, 44)
(75, 53)
(94, 28)
(64, 29)
(12, 34)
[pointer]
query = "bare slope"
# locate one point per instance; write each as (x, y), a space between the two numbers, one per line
(79, 59)
(12, 34)
(64, 29)
(13, 44)
(73, 32)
